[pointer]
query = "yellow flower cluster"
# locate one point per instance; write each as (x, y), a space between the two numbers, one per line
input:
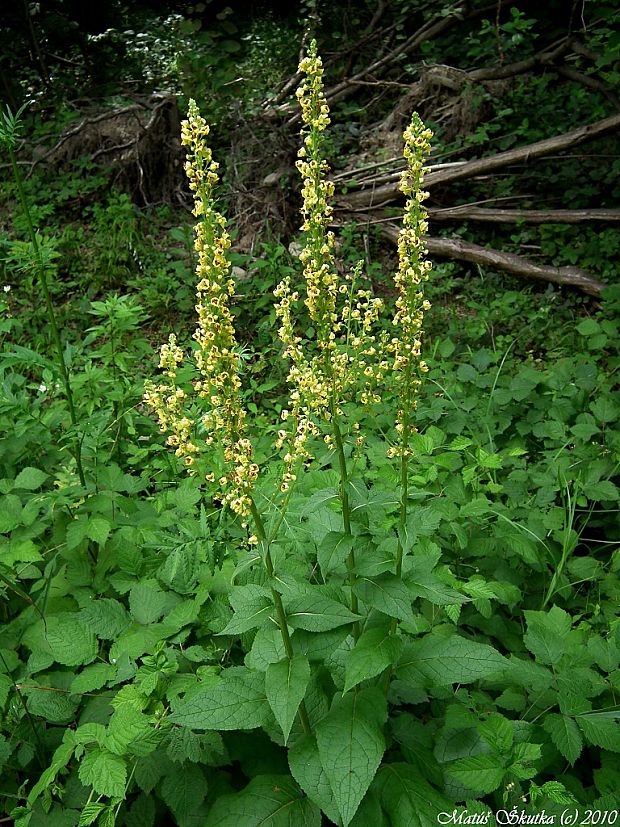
(343, 316)
(168, 400)
(317, 256)
(217, 360)
(349, 358)
(413, 270)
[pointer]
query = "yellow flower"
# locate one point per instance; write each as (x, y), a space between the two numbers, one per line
(216, 357)
(413, 270)
(342, 315)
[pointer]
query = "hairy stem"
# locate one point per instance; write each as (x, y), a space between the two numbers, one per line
(346, 508)
(404, 475)
(279, 606)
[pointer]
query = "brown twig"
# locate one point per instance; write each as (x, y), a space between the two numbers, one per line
(456, 248)
(378, 196)
(466, 212)
(596, 84)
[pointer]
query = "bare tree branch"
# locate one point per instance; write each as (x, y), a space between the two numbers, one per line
(364, 199)
(460, 250)
(590, 82)
(472, 213)
(520, 67)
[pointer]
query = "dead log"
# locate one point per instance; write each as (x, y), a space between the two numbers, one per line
(460, 250)
(363, 199)
(472, 213)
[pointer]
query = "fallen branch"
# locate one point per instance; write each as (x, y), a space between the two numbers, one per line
(85, 122)
(590, 83)
(509, 70)
(453, 248)
(364, 199)
(470, 213)
(346, 87)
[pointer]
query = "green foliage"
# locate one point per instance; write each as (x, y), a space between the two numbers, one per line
(143, 677)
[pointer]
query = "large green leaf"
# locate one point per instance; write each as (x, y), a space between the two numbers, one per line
(431, 588)
(70, 642)
(351, 746)
(423, 520)
(436, 660)
(388, 594)
(565, 735)
(267, 801)
(30, 478)
(137, 640)
(54, 706)
(317, 613)
(147, 601)
(600, 730)
(373, 652)
(91, 812)
(548, 634)
(184, 793)
(93, 677)
(305, 765)
(180, 568)
(127, 728)
(104, 772)
(10, 512)
(480, 773)
(267, 648)
(17, 551)
(408, 798)
(333, 550)
(235, 702)
(107, 618)
(98, 529)
(285, 684)
(423, 581)
(185, 745)
(252, 606)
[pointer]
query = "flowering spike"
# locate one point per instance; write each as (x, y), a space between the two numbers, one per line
(217, 359)
(317, 255)
(413, 270)
(343, 315)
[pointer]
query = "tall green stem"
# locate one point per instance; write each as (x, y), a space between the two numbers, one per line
(404, 475)
(402, 518)
(51, 315)
(279, 606)
(346, 508)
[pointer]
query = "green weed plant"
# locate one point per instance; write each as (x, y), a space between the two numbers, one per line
(397, 601)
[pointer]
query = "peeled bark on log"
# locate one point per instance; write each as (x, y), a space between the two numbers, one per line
(467, 213)
(517, 265)
(363, 199)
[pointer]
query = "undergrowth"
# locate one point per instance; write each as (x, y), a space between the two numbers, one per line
(386, 591)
